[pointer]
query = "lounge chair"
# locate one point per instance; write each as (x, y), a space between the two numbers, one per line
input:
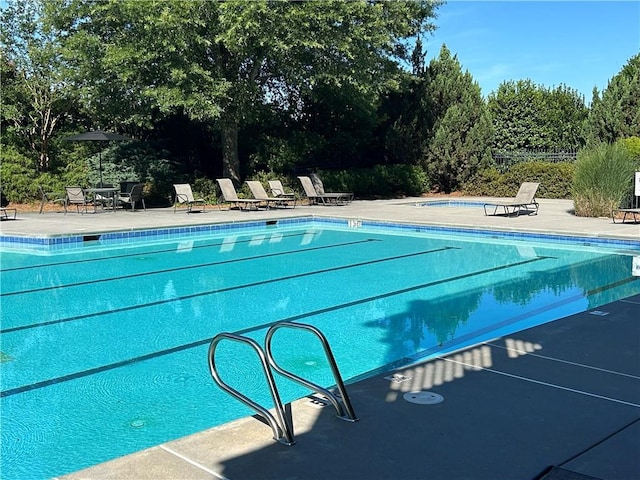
(50, 197)
(316, 197)
(230, 196)
(133, 196)
(277, 190)
(626, 211)
(184, 195)
(524, 199)
(75, 196)
(259, 193)
(4, 213)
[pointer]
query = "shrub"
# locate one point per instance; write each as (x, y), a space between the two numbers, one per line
(18, 175)
(632, 144)
(555, 180)
(380, 181)
(603, 177)
(206, 188)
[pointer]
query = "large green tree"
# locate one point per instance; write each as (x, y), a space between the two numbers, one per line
(222, 62)
(616, 114)
(35, 93)
(531, 117)
(460, 130)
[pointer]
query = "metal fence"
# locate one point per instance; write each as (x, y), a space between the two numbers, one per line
(509, 158)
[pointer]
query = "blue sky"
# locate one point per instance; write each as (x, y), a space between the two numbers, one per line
(580, 44)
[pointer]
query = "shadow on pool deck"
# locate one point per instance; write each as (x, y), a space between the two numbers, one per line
(564, 394)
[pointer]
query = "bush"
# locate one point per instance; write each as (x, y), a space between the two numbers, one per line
(603, 178)
(380, 181)
(632, 144)
(555, 180)
(18, 175)
(206, 188)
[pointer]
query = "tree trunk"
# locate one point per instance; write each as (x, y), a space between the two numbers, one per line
(230, 159)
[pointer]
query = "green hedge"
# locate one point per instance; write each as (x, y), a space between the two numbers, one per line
(555, 178)
(380, 181)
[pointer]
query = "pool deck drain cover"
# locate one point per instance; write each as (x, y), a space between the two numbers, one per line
(423, 398)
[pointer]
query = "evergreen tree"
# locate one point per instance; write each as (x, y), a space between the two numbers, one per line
(459, 129)
(616, 114)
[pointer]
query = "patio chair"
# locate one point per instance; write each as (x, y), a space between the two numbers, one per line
(5, 209)
(315, 197)
(524, 199)
(259, 193)
(50, 197)
(133, 196)
(231, 197)
(75, 196)
(127, 185)
(184, 194)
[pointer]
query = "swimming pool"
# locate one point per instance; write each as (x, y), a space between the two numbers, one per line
(104, 340)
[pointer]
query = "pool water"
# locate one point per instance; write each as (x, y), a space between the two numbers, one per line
(104, 347)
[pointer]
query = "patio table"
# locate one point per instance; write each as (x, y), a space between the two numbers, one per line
(107, 192)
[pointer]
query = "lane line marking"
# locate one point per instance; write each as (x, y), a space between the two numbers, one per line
(546, 384)
(591, 367)
(192, 462)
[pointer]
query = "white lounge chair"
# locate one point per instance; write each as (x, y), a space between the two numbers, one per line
(184, 194)
(277, 190)
(524, 199)
(626, 211)
(230, 196)
(316, 197)
(259, 193)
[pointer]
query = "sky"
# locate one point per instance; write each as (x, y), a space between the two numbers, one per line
(581, 44)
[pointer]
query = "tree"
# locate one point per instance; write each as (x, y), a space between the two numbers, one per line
(460, 130)
(36, 96)
(406, 113)
(223, 61)
(528, 116)
(616, 114)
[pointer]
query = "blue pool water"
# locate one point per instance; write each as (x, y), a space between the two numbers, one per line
(104, 343)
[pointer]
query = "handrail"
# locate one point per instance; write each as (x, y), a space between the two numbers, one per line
(350, 414)
(280, 428)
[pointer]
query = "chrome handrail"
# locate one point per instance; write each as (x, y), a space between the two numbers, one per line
(350, 414)
(280, 428)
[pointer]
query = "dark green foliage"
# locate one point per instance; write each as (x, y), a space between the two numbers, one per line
(206, 188)
(460, 135)
(603, 178)
(527, 116)
(18, 174)
(616, 114)
(381, 181)
(555, 180)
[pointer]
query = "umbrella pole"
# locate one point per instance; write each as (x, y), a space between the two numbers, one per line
(100, 166)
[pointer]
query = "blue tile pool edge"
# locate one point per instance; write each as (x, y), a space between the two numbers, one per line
(58, 242)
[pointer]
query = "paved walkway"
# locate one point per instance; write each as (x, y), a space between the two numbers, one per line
(564, 394)
(556, 216)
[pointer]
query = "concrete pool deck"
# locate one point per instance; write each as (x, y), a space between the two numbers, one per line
(564, 394)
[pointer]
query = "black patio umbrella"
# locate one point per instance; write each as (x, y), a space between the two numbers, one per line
(98, 136)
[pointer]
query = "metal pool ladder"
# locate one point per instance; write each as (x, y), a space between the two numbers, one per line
(282, 424)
